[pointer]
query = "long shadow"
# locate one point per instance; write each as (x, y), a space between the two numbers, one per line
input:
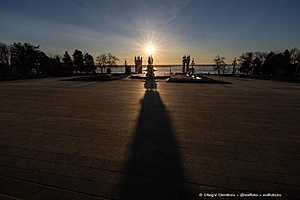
(154, 169)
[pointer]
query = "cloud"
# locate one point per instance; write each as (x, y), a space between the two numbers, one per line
(177, 8)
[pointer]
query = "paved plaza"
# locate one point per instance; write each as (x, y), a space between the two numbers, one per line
(114, 140)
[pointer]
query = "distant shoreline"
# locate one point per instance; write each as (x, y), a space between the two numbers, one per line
(175, 65)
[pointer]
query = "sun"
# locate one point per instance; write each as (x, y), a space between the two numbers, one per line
(148, 43)
(150, 49)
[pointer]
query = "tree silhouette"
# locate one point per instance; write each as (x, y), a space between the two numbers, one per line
(27, 60)
(234, 65)
(42, 63)
(24, 58)
(106, 60)
(54, 66)
(220, 64)
(291, 62)
(112, 60)
(276, 64)
(67, 64)
(102, 62)
(4, 59)
(89, 64)
(268, 65)
(246, 60)
(281, 65)
(78, 60)
(256, 65)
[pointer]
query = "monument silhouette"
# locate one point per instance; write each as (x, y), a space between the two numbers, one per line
(150, 75)
(186, 60)
(138, 61)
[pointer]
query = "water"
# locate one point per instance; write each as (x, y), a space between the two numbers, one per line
(165, 70)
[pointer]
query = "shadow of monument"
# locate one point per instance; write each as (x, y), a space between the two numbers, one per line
(154, 168)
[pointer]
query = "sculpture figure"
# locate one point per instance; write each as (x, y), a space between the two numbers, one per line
(192, 70)
(183, 64)
(188, 60)
(138, 61)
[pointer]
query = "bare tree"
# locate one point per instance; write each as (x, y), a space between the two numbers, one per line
(111, 60)
(102, 61)
(105, 60)
(220, 64)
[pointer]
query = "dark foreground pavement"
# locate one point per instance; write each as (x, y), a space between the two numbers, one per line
(113, 140)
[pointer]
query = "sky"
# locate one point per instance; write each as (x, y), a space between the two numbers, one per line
(125, 28)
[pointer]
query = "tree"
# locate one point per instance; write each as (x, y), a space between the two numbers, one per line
(89, 63)
(268, 65)
(257, 62)
(289, 68)
(111, 60)
(4, 59)
(256, 65)
(102, 61)
(234, 65)
(281, 65)
(78, 60)
(54, 66)
(67, 64)
(246, 60)
(106, 60)
(24, 58)
(220, 64)
(42, 63)
(276, 64)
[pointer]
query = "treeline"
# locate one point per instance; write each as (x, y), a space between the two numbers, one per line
(271, 65)
(27, 60)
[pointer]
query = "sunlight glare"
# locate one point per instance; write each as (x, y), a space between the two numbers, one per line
(150, 49)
